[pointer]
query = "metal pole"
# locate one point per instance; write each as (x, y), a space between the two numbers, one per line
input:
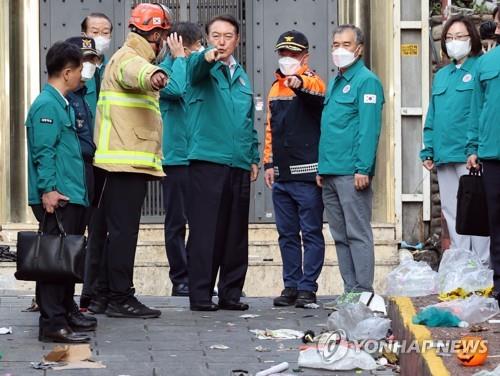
(357, 12)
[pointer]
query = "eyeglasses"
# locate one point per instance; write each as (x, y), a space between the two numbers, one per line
(462, 37)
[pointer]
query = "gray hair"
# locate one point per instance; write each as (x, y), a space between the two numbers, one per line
(360, 37)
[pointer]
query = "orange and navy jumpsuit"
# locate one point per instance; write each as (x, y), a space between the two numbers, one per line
(293, 127)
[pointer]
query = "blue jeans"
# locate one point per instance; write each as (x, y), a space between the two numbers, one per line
(298, 208)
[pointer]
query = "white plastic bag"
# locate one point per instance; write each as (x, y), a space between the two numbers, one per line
(371, 328)
(412, 278)
(474, 309)
(343, 360)
(462, 268)
(348, 316)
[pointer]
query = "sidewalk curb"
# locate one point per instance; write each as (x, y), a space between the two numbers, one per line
(401, 311)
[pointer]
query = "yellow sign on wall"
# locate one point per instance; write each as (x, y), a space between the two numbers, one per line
(409, 50)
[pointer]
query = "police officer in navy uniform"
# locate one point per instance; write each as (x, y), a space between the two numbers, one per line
(56, 183)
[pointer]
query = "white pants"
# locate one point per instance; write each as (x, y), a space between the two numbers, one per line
(448, 177)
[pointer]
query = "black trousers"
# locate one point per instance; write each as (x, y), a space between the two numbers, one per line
(219, 198)
(491, 180)
(175, 189)
(123, 196)
(56, 299)
(94, 261)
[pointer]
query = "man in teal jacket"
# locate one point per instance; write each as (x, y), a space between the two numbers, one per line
(483, 143)
(186, 38)
(223, 159)
(350, 129)
(56, 182)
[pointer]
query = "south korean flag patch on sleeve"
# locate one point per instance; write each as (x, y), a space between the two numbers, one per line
(370, 98)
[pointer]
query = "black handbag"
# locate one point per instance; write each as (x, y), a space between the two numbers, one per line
(472, 209)
(50, 258)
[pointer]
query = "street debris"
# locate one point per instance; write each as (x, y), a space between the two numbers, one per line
(435, 317)
(343, 359)
(261, 348)
(275, 369)
(249, 316)
(462, 268)
(6, 330)
(358, 322)
(311, 306)
(411, 278)
(33, 307)
(68, 357)
(475, 309)
(219, 347)
(277, 334)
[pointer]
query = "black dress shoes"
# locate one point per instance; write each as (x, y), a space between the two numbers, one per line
(287, 298)
(304, 298)
(232, 305)
(204, 307)
(81, 323)
(62, 336)
(181, 289)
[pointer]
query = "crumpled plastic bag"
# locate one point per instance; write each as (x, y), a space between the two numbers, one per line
(412, 278)
(474, 309)
(462, 268)
(277, 334)
(358, 322)
(342, 360)
(372, 328)
(435, 317)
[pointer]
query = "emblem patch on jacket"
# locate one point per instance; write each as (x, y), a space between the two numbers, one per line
(46, 121)
(370, 98)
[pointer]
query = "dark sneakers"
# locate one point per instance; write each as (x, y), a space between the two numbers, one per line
(304, 298)
(98, 305)
(287, 298)
(132, 308)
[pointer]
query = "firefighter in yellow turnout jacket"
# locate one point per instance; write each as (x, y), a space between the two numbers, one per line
(128, 139)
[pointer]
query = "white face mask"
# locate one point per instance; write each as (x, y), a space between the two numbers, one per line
(88, 71)
(201, 49)
(288, 65)
(102, 44)
(457, 49)
(343, 58)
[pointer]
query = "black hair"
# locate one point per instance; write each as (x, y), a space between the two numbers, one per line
(95, 15)
(189, 31)
(475, 40)
(495, 12)
(226, 18)
(62, 55)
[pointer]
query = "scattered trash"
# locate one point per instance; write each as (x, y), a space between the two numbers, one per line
(344, 359)
(277, 334)
(406, 245)
(391, 356)
(33, 307)
(239, 372)
(435, 317)
(6, 330)
(311, 306)
(249, 316)
(282, 347)
(412, 278)
(460, 293)
(358, 322)
(68, 357)
(475, 309)
(230, 324)
(219, 347)
(275, 369)
(308, 336)
(493, 321)
(262, 349)
(462, 268)
(495, 372)
(373, 301)
(478, 328)
(6, 255)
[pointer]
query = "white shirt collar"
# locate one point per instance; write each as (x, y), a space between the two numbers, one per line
(63, 97)
(232, 64)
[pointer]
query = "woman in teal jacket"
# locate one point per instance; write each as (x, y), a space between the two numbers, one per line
(445, 131)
